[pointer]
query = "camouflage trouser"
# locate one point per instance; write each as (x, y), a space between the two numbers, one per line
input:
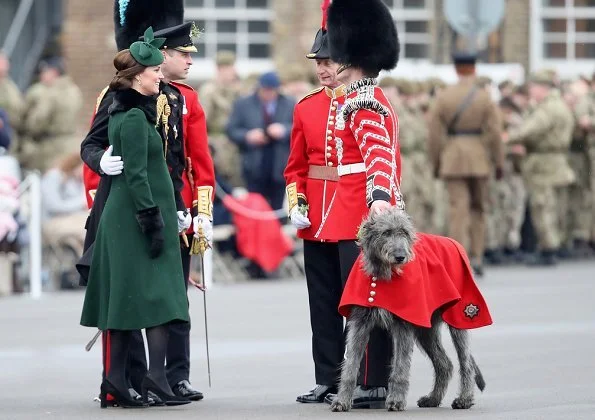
(439, 219)
(498, 195)
(592, 189)
(227, 160)
(548, 212)
(418, 206)
(514, 210)
(579, 218)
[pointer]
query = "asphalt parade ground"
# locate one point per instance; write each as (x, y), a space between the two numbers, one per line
(538, 358)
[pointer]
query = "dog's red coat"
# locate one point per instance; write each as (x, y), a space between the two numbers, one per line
(439, 276)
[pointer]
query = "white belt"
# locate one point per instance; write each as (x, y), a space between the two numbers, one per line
(352, 168)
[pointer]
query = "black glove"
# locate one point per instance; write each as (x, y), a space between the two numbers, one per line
(151, 224)
(499, 174)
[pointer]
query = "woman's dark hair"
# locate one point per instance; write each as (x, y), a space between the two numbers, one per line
(127, 68)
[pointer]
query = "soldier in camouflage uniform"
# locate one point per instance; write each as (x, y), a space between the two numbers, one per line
(513, 186)
(585, 114)
(217, 97)
(546, 134)
(418, 187)
(11, 98)
(51, 117)
(440, 204)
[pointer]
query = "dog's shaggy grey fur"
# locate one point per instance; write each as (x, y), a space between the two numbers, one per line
(387, 242)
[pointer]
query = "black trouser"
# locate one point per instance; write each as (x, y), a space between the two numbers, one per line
(178, 348)
(323, 278)
(375, 366)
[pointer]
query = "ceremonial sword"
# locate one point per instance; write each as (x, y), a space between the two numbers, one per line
(199, 247)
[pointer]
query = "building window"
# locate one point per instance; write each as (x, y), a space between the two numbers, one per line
(414, 19)
(563, 33)
(241, 26)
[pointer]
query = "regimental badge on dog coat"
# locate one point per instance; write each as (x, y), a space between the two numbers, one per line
(439, 276)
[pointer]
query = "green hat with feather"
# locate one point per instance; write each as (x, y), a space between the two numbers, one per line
(147, 52)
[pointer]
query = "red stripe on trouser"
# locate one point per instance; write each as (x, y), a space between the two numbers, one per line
(106, 357)
(366, 367)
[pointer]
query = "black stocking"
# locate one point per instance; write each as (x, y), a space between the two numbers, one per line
(157, 338)
(119, 345)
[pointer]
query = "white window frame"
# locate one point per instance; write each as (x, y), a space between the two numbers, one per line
(401, 15)
(204, 68)
(570, 66)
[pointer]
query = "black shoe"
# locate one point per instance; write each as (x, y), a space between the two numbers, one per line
(544, 258)
(493, 256)
(581, 249)
(168, 399)
(184, 389)
(121, 399)
(368, 397)
(316, 395)
(477, 270)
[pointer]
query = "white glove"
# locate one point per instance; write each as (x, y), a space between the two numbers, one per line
(299, 220)
(207, 226)
(111, 165)
(184, 221)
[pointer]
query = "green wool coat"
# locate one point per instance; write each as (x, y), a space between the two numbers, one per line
(128, 290)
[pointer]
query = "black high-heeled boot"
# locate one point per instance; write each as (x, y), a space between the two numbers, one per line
(168, 399)
(123, 399)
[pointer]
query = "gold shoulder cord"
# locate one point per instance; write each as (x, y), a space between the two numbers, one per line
(163, 113)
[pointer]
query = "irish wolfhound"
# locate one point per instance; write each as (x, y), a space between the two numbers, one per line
(387, 242)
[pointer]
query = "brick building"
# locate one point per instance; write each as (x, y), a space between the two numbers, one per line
(269, 34)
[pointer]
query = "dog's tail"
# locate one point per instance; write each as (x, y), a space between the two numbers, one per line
(479, 381)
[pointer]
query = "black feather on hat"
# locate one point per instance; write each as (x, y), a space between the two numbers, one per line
(362, 33)
(133, 17)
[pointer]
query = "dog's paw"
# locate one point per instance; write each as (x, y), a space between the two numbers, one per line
(426, 401)
(395, 405)
(461, 403)
(338, 406)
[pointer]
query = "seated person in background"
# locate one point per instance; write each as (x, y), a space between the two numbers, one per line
(64, 208)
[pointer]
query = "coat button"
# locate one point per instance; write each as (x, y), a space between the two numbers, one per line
(329, 148)
(373, 285)
(330, 123)
(329, 137)
(331, 117)
(328, 155)
(371, 299)
(335, 103)
(330, 164)
(329, 131)
(374, 278)
(372, 293)
(333, 108)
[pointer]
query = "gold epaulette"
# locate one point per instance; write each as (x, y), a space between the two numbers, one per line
(100, 98)
(312, 93)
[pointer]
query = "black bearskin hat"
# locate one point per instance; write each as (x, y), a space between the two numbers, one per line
(133, 17)
(362, 33)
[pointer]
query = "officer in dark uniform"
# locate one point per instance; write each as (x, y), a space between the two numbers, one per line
(170, 104)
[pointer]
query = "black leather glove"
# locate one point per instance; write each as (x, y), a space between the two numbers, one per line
(499, 174)
(151, 224)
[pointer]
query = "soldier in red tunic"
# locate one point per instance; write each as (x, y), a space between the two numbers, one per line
(363, 39)
(311, 177)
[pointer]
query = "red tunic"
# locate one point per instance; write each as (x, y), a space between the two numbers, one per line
(196, 146)
(438, 276)
(311, 138)
(366, 131)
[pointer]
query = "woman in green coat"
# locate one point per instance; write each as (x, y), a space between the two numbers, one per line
(135, 278)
